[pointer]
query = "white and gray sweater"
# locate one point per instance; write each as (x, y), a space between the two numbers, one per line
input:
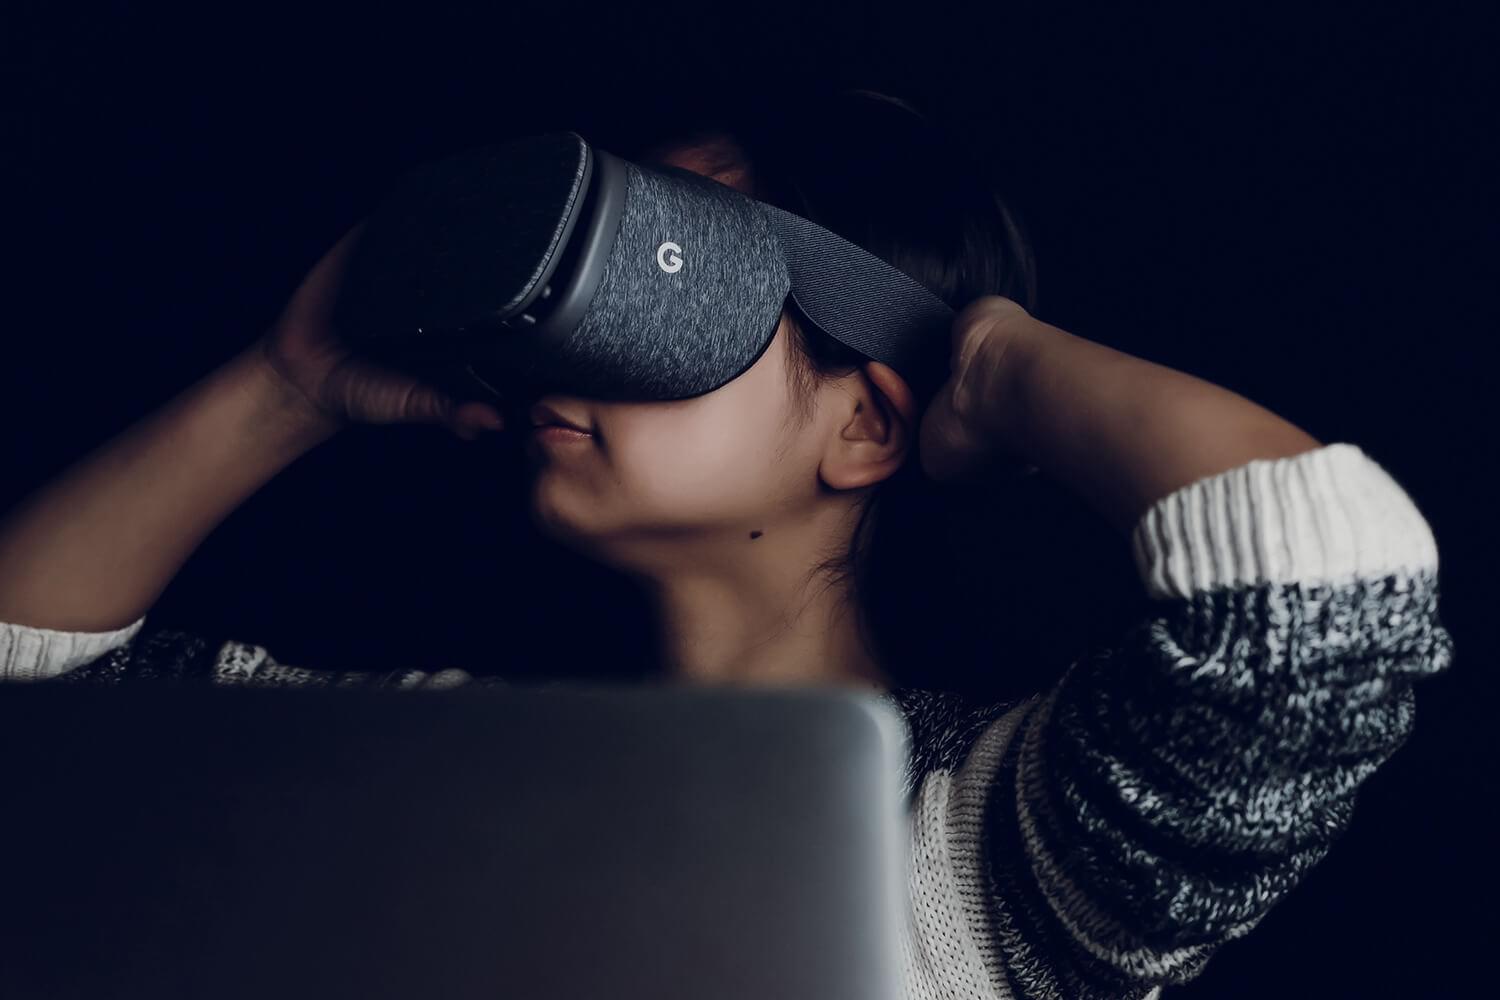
(1104, 837)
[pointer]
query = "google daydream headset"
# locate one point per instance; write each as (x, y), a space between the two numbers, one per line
(546, 264)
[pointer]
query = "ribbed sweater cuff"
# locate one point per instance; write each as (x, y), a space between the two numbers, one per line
(30, 653)
(1323, 516)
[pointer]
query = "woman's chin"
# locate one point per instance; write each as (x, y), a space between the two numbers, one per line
(555, 515)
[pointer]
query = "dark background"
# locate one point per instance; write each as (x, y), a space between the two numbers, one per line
(1298, 205)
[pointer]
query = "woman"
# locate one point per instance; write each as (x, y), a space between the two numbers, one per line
(1099, 838)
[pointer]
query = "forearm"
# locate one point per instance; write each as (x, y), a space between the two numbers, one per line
(1119, 430)
(94, 548)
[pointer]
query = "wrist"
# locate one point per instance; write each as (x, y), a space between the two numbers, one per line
(276, 399)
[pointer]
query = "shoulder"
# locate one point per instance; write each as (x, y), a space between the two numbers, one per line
(151, 654)
(173, 655)
(942, 726)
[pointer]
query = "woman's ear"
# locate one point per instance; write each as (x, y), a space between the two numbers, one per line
(896, 391)
(873, 442)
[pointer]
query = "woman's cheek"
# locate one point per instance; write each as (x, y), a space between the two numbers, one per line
(701, 466)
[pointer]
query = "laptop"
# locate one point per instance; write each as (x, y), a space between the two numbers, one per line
(542, 841)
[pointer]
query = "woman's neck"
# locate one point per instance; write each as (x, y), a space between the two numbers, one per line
(762, 631)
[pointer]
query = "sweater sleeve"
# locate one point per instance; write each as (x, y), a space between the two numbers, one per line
(32, 653)
(1108, 835)
(137, 653)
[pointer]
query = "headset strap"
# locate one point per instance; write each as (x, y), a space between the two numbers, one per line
(865, 303)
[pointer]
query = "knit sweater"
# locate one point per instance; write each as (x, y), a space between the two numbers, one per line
(1104, 837)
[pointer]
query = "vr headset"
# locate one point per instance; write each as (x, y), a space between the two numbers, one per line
(546, 264)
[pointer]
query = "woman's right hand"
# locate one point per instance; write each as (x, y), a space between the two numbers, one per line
(304, 350)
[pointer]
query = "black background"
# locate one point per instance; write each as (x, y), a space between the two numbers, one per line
(1296, 204)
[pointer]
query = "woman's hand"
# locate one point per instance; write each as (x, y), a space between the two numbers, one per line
(341, 387)
(963, 435)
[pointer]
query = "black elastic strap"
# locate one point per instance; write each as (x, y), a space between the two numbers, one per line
(864, 302)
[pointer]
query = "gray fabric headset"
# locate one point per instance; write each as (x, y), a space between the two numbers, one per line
(545, 264)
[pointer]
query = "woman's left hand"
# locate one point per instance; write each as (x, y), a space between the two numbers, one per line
(965, 436)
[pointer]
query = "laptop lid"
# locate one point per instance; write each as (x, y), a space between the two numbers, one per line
(537, 841)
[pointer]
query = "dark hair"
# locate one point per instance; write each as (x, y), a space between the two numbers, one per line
(879, 172)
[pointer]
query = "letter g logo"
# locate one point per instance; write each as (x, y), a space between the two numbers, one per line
(667, 259)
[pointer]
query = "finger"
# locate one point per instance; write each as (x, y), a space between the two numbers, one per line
(937, 448)
(948, 452)
(477, 416)
(370, 392)
(423, 404)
